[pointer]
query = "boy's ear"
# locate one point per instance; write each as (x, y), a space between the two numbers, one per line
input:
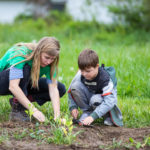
(97, 65)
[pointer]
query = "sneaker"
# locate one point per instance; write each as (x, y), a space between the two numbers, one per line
(18, 112)
(108, 121)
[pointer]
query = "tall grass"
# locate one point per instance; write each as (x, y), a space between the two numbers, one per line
(135, 111)
(127, 51)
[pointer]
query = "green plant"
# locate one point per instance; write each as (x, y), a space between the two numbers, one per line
(67, 128)
(139, 144)
(114, 145)
(19, 135)
(30, 111)
(146, 141)
(63, 131)
(134, 143)
(4, 136)
(37, 133)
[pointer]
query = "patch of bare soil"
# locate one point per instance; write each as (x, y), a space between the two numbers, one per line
(90, 138)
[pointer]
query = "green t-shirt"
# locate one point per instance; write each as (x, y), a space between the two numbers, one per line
(7, 61)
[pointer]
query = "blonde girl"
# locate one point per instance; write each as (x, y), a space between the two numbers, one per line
(28, 71)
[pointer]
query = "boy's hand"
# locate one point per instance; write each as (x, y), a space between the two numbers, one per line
(87, 120)
(74, 113)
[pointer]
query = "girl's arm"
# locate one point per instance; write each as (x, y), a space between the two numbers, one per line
(54, 95)
(18, 93)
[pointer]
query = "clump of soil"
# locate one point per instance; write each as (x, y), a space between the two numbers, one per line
(90, 138)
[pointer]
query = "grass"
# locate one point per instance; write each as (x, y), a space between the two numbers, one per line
(4, 136)
(132, 144)
(127, 51)
(135, 111)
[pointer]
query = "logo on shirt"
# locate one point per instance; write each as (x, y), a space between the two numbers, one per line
(90, 83)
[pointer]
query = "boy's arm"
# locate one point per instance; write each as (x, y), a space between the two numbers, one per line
(109, 100)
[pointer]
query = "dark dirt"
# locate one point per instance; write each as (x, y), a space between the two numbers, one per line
(90, 138)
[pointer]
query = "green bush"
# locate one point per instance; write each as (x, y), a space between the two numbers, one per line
(132, 13)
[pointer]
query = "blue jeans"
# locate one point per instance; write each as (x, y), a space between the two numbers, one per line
(40, 96)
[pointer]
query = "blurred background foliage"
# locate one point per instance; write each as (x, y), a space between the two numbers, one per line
(129, 14)
(133, 13)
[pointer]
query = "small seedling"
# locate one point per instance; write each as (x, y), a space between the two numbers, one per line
(30, 111)
(20, 135)
(139, 144)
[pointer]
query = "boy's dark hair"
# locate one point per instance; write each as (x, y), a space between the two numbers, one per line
(87, 58)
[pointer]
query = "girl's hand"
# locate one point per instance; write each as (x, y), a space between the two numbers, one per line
(74, 113)
(38, 115)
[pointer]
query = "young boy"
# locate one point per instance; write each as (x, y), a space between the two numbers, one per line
(93, 91)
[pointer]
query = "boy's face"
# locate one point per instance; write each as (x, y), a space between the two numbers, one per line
(90, 72)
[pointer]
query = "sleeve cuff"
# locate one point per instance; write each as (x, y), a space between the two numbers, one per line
(94, 115)
(48, 81)
(15, 73)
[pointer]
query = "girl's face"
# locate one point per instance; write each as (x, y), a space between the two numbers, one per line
(46, 59)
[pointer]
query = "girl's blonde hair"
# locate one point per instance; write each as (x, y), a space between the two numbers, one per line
(48, 45)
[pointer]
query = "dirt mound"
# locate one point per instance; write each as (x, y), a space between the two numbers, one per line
(90, 138)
